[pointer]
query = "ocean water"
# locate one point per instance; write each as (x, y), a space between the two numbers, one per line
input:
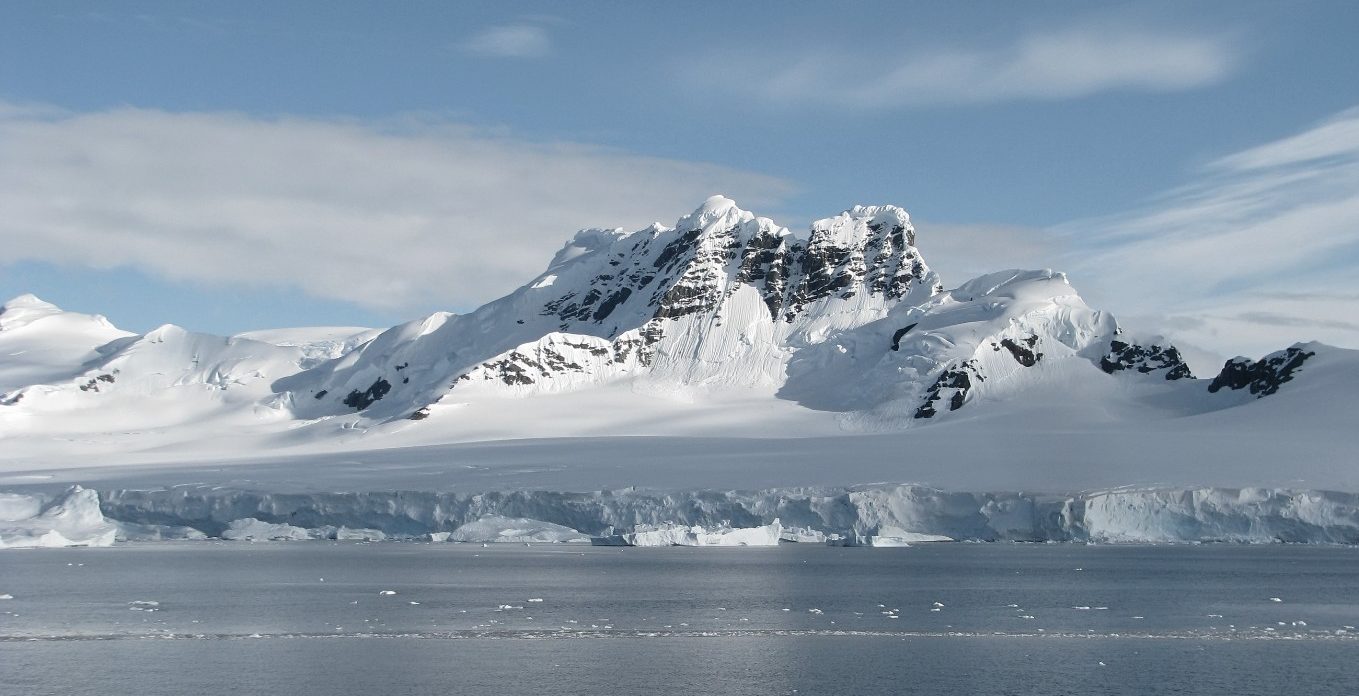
(407, 618)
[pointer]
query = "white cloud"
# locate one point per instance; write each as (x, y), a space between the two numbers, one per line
(510, 41)
(1073, 62)
(961, 252)
(1264, 251)
(389, 216)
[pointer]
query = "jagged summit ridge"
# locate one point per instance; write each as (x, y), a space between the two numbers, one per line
(723, 297)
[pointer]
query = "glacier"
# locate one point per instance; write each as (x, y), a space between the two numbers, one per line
(879, 515)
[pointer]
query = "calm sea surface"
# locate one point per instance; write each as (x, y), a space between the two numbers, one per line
(404, 618)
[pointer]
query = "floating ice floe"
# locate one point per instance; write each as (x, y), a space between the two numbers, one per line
(887, 536)
(805, 535)
(251, 529)
(696, 535)
(497, 529)
(348, 534)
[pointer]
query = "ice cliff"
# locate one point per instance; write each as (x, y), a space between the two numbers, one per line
(71, 519)
(857, 515)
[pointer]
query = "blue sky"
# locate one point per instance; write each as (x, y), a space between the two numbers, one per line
(227, 166)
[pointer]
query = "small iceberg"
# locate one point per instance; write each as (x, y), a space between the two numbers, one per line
(889, 537)
(514, 530)
(348, 534)
(722, 535)
(804, 535)
(71, 519)
(251, 529)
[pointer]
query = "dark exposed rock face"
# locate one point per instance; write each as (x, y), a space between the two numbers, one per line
(884, 261)
(360, 400)
(695, 270)
(520, 368)
(93, 384)
(1023, 350)
(765, 264)
(900, 333)
(1262, 377)
(1145, 359)
(959, 379)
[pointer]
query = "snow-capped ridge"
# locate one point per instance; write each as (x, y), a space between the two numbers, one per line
(41, 343)
(716, 210)
(27, 309)
(844, 325)
(23, 309)
(720, 298)
(585, 242)
(991, 337)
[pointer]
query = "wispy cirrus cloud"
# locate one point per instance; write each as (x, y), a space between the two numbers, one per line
(960, 252)
(523, 40)
(1261, 252)
(1076, 61)
(392, 215)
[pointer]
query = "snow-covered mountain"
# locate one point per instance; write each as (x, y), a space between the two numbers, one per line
(724, 324)
(722, 299)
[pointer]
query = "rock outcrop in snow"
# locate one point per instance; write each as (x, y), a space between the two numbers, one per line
(1264, 376)
(1145, 359)
(989, 338)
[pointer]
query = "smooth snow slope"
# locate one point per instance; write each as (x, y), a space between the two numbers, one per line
(41, 344)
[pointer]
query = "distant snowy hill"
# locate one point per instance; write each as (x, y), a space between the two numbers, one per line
(41, 344)
(725, 325)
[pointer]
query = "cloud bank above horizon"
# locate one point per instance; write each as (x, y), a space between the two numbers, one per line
(1052, 64)
(381, 215)
(1260, 250)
